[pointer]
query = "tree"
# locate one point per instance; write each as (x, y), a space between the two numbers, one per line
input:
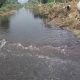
(12, 1)
(38, 1)
(33, 1)
(2, 2)
(44, 1)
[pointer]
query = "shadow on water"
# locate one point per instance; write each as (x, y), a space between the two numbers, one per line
(4, 24)
(36, 14)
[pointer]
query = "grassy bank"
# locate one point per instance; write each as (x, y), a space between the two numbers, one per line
(7, 9)
(59, 15)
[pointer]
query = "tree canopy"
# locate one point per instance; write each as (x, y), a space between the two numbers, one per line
(43, 1)
(11, 1)
(7, 2)
(2, 2)
(38, 1)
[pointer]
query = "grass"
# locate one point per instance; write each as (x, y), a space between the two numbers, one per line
(7, 8)
(31, 5)
(58, 14)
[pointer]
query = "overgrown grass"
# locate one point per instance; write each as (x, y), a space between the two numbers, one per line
(59, 14)
(8, 7)
(31, 5)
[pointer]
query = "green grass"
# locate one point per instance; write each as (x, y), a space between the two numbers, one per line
(8, 7)
(30, 5)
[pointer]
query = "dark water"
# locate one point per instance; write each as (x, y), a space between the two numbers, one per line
(27, 27)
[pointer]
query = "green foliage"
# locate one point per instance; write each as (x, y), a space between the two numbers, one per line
(56, 0)
(32, 1)
(2, 2)
(11, 1)
(8, 6)
(7, 2)
(38, 1)
(43, 1)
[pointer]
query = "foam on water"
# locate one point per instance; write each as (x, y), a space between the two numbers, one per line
(61, 49)
(2, 43)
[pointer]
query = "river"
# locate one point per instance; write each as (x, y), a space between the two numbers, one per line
(32, 50)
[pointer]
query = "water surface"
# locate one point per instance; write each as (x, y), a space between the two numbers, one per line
(57, 56)
(25, 26)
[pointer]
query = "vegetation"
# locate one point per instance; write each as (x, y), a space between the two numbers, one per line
(58, 12)
(7, 2)
(2, 2)
(38, 1)
(11, 1)
(49, 1)
(8, 7)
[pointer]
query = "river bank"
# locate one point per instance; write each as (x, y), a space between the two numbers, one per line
(60, 15)
(8, 9)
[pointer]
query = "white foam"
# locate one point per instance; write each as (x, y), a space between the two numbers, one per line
(3, 42)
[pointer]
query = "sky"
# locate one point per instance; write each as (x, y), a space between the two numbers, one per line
(22, 1)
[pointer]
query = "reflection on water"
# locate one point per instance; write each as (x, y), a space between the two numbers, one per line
(38, 15)
(4, 24)
(29, 26)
